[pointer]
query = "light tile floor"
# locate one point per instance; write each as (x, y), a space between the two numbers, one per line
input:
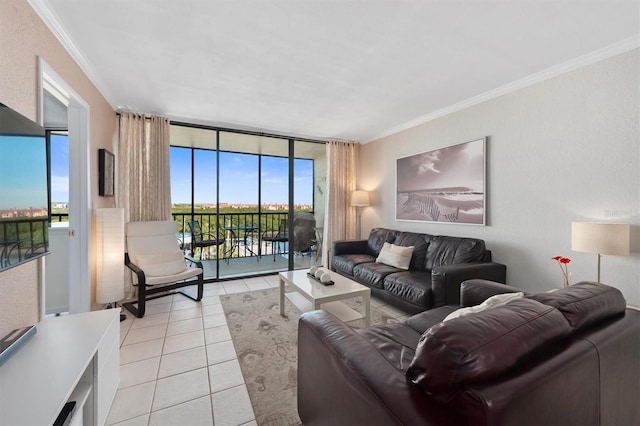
(178, 365)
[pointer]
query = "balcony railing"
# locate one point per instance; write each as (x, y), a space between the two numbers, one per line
(21, 239)
(242, 232)
(59, 217)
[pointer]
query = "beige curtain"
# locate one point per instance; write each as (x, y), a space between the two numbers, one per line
(144, 187)
(340, 216)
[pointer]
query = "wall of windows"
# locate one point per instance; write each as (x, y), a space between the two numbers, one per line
(250, 195)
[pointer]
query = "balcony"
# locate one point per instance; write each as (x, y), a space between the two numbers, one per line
(243, 251)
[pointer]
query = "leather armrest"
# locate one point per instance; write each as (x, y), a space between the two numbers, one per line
(343, 379)
(446, 280)
(349, 247)
(474, 292)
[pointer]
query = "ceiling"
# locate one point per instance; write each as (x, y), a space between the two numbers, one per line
(346, 69)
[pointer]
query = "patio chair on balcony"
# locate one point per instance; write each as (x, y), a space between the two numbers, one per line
(201, 239)
(304, 233)
(277, 238)
(158, 264)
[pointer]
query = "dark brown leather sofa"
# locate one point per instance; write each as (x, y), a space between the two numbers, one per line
(439, 264)
(569, 357)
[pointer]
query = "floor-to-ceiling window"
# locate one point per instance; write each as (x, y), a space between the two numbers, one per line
(246, 194)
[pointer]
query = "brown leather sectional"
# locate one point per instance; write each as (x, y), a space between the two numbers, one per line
(568, 357)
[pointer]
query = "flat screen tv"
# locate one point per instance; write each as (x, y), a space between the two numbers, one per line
(24, 189)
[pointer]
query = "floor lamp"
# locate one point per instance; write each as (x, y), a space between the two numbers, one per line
(110, 256)
(600, 238)
(359, 199)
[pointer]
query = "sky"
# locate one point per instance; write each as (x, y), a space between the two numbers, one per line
(238, 178)
(23, 172)
(59, 168)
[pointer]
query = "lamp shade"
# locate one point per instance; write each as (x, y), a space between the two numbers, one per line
(109, 255)
(601, 238)
(360, 198)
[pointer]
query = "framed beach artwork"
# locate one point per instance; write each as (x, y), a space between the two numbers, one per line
(446, 185)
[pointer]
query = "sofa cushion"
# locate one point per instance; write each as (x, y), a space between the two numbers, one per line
(412, 286)
(377, 238)
(373, 274)
(395, 342)
(346, 262)
(445, 250)
(484, 345)
(420, 243)
(394, 255)
(425, 320)
(585, 303)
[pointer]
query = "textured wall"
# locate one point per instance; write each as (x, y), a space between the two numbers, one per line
(25, 38)
(566, 149)
(19, 301)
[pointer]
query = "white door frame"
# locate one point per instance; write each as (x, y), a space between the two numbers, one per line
(79, 192)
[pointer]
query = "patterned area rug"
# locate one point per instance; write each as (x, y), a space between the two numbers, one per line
(266, 344)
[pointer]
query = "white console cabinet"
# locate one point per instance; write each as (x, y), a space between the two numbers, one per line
(70, 358)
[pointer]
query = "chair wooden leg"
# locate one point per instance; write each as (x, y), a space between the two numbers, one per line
(200, 291)
(142, 298)
(139, 311)
(200, 286)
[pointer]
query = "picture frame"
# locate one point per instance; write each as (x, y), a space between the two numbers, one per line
(106, 173)
(446, 185)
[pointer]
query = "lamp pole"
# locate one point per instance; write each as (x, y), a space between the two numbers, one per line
(359, 199)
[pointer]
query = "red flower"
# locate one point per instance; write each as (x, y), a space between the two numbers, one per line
(563, 262)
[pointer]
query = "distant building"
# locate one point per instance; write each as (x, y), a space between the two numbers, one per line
(28, 212)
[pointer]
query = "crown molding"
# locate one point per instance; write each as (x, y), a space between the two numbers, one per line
(48, 16)
(555, 71)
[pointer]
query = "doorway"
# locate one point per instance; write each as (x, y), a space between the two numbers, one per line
(57, 101)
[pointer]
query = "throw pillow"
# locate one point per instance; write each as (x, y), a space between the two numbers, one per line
(492, 302)
(160, 264)
(396, 256)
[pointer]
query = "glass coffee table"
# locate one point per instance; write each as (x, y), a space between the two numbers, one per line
(308, 294)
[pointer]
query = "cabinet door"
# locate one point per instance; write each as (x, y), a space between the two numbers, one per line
(108, 370)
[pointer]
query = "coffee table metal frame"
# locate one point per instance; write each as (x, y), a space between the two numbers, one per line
(325, 297)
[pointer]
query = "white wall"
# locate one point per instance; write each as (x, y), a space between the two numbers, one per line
(563, 150)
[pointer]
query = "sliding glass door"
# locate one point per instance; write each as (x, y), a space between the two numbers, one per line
(246, 193)
(309, 189)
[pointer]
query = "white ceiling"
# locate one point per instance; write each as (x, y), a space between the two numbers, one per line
(347, 69)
